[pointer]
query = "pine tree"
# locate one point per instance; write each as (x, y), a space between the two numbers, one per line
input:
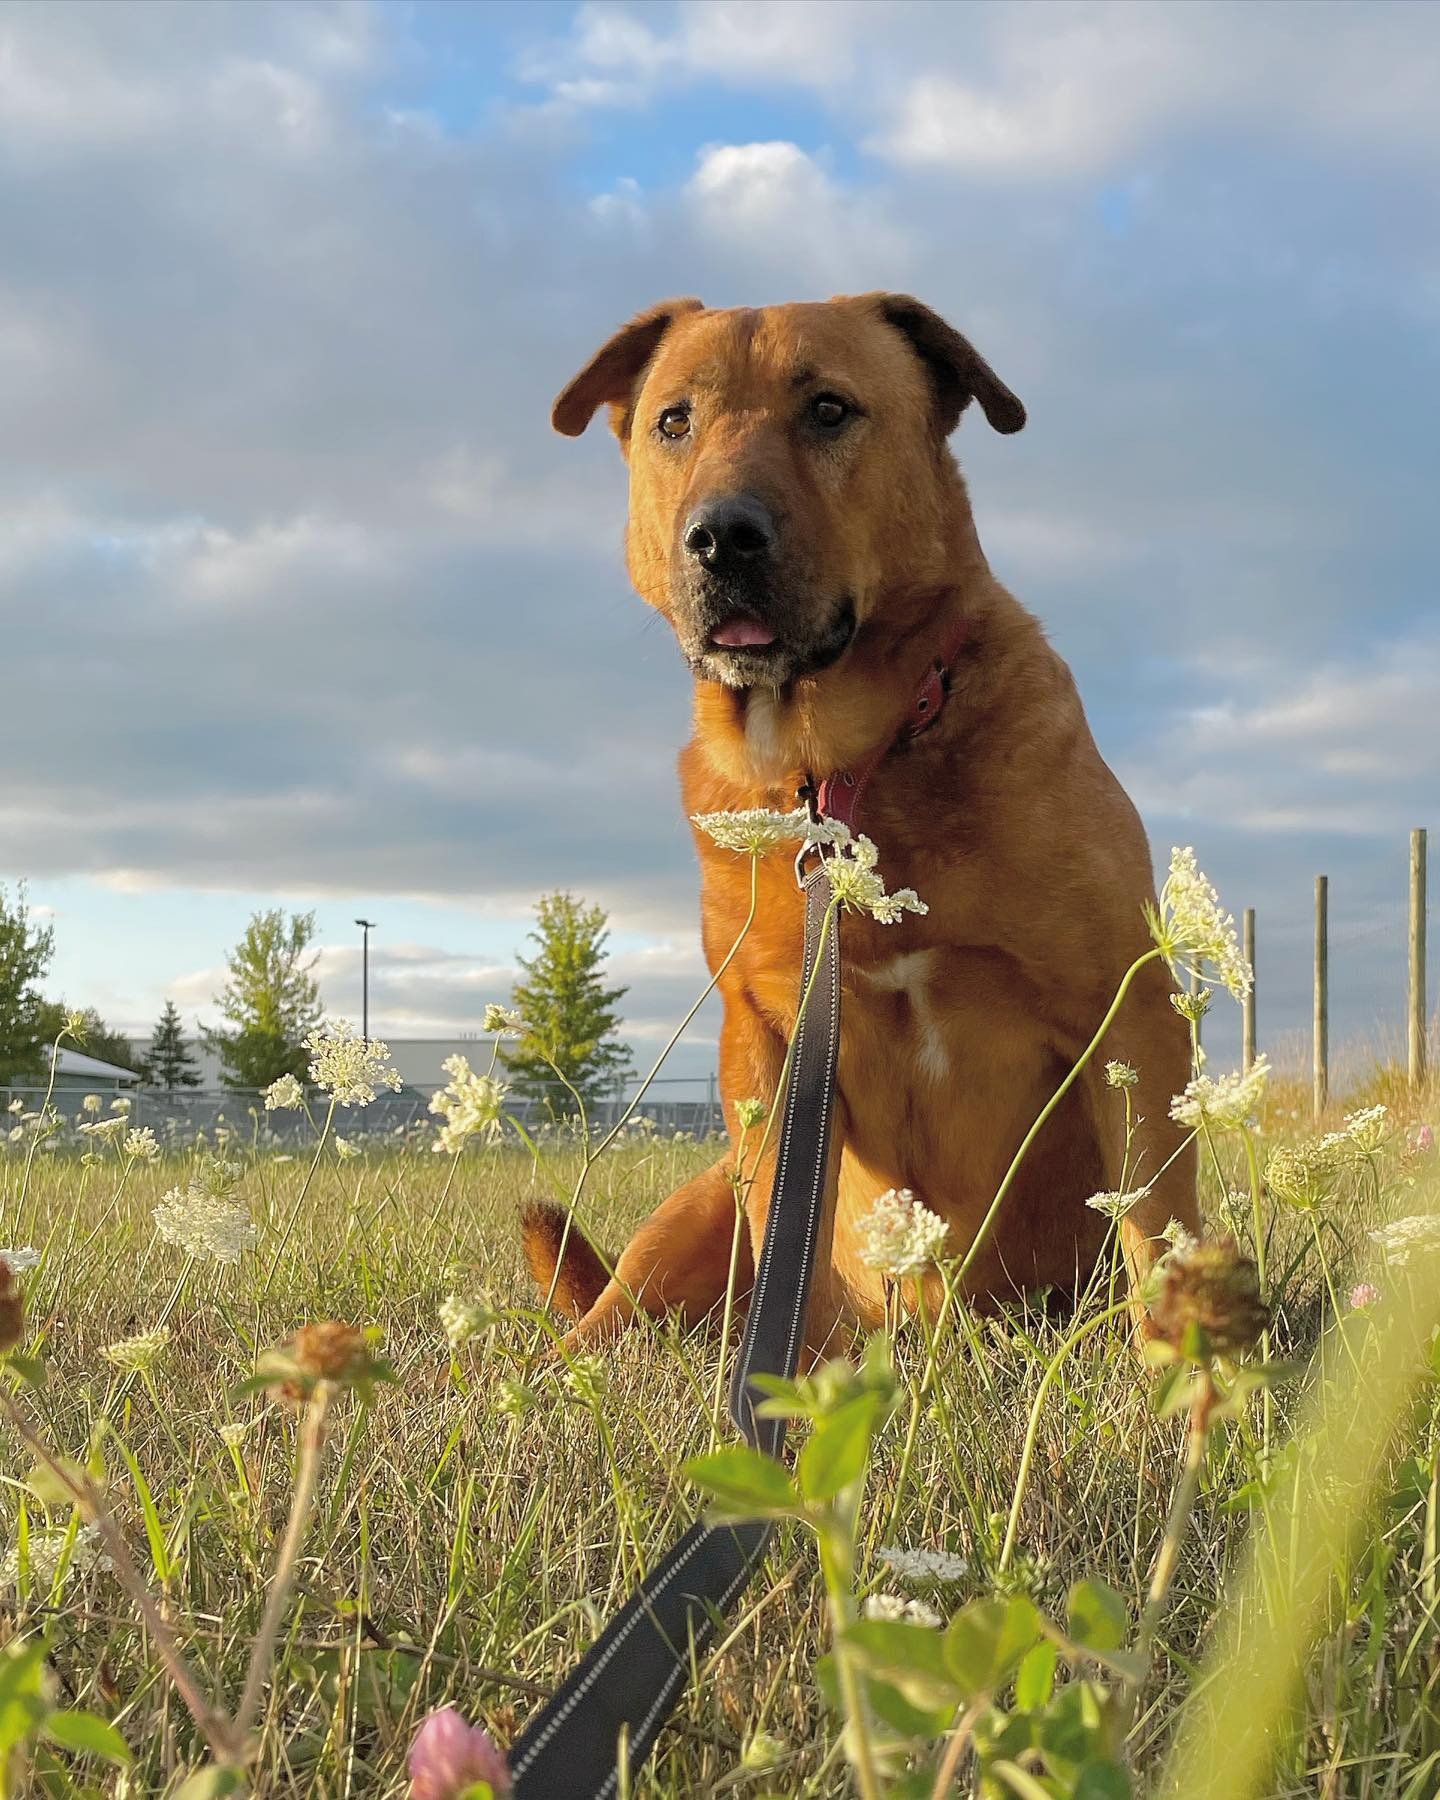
(25, 952)
(170, 1063)
(569, 1015)
(271, 1000)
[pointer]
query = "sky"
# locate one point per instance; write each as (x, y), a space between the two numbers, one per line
(303, 604)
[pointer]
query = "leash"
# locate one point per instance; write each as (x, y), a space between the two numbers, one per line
(632, 1674)
(618, 1696)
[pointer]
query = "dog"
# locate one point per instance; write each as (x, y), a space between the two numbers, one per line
(797, 516)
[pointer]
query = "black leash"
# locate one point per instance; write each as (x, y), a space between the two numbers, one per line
(632, 1675)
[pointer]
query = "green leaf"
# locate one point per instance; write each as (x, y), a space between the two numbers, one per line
(903, 1716)
(85, 1732)
(838, 1449)
(744, 1484)
(987, 1640)
(210, 1784)
(1099, 1617)
(1103, 1780)
(31, 1369)
(910, 1657)
(1021, 1782)
(1035, 1681)
(154, 1530)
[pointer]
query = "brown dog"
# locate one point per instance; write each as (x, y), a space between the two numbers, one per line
(796, 515)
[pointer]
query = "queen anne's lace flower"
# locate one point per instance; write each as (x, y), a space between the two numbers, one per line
(752, 832)
(348, 1066)
(284, 1095)
(1366, 1129)
(503, 1021)
(924, 1565)
(896, 1609)
(104, 1129)
(1115, 1204)
(469, 1104)
(140, 1145)
(1190, 928)
(1223, 1102)
(898, 1236)
(44, 1551)
(855, 882)
(1120, 1075)
(204, 1223)
(465, 1319)
(135, 1354)
(1419, 1235)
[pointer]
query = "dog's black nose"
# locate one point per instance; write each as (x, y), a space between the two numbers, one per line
(728, 532)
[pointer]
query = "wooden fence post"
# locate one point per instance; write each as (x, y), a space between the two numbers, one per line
(1247, 1051)
(1322, 993)
(1418, 1020)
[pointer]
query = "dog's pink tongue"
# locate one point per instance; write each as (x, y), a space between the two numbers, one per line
(736, 634)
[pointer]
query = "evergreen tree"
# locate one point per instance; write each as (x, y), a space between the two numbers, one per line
(270, 1001)
(568, 1013)
(25, 952)
(170, 1063)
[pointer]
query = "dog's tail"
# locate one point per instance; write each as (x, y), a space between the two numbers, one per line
(564, 1265)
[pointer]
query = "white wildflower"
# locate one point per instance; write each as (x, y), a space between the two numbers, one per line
(587, 1378)
(17, 1105)
(750, 1113)
(45, 1551)
(465, 1319)
(20, 1262)
(120, 1104)
(503, 1021)
(1224, 1102)
(1120, 1075)
(1366, 1128)
(204, 1223)
(107, 1130)
(140, 1145)
(345, 1150)
(233, 1436)
(284, 1095)
(1418, 1235)
(136, 1354)
(899, 1236)
(938, 1566)
(1190, 928)
(349, 1067)
(1115, 1204)
(91, 1103)
(753, 832)
(896, 1609)
(469, 1104)
(855, 883)
(1180, 1239)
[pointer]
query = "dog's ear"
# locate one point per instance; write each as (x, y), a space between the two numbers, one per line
(957, 370)
(609, 378)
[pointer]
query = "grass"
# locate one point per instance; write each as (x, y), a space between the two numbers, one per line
(469, 1537)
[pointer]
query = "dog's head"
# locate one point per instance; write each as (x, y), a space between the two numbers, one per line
(788, 468)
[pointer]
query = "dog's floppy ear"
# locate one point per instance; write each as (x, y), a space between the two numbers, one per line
(610, 375)
(958, 372)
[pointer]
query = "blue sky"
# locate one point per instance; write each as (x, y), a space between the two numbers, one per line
(301, 602)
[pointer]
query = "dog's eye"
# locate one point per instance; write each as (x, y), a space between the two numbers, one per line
(675, 422)
(829, 412)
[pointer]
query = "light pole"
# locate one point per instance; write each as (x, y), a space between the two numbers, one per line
(367, 926)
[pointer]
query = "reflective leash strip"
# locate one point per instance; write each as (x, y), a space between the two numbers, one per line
(632, 1674)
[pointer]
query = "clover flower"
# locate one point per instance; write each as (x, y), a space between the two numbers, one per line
(1421, 1140)
(203, 1221)
(136, 1354)
(140, 1144)
(449, 1757)
(1418, 1235)
(503, 1021)
(1364, 1295)
(469, 1104)
(348, 1067)
(45, 1551)
(854, 883)
(1224, 1102)
(1189, 928)
(924, 1566)
(899, 1236)
(1208, 1301)
(897, 1610)
(284, 1095)
(1116, 1203)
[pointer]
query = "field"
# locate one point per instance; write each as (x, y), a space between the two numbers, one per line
(477, 1519)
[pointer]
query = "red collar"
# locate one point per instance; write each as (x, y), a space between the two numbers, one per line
(839, 795)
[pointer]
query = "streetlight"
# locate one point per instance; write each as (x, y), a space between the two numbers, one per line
(367, 926)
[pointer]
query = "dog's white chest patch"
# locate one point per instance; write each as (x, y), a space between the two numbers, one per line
(762, 729)
(909, 974)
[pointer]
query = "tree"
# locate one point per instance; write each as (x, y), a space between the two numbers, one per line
(170, 1063)
(25, 952)
(569, 1015)
(93, 1036)
(271, 1000)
